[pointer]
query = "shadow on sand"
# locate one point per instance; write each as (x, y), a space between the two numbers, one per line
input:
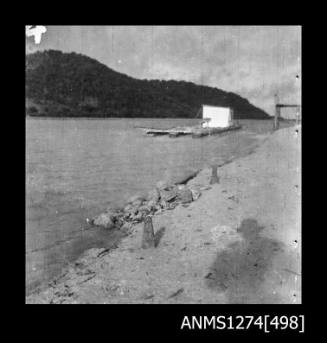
(158, 235)
(240, 269)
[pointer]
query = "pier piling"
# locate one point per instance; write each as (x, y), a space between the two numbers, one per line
(148, 234)
(214, 176)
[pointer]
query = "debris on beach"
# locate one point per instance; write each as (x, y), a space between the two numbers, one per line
(195, 193)
(165, 196)
(175, 294)
(185, 195)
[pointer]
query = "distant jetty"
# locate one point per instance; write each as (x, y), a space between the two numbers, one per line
(215, 120)
(196, 132)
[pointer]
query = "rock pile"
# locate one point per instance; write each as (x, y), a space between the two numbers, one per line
(164, 197)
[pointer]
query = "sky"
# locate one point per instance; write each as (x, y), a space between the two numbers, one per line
(252, 61)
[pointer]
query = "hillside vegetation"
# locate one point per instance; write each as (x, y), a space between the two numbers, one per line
(73, 85)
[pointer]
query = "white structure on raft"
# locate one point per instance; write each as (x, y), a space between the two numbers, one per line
(214, 116)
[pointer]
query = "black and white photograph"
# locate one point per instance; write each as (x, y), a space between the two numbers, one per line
(163, 164)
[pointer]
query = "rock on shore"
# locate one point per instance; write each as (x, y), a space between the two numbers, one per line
(165, 196)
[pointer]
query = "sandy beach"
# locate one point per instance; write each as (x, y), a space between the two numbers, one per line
(239, 242)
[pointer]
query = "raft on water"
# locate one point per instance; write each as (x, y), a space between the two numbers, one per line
(194, 131)
(175, 132)
(208, 131)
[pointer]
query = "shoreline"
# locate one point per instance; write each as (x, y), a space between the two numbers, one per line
(181, 179)
(232, 145)
(89, 267)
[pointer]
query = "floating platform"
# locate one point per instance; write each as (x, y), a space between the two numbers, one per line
(214, 131)
(194, 131)
(175, 132)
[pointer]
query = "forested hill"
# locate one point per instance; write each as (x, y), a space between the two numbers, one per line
(73, 85)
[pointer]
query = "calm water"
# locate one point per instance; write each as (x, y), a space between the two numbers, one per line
(75, 168)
